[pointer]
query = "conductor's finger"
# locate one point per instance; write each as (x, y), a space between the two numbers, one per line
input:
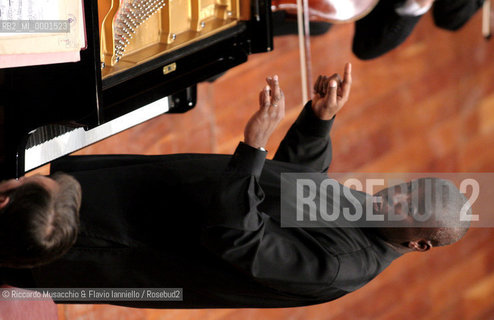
(336, 77)
(347, 81)
(317, 84)
(332, 97)
(318, 87)
(324, 86)
(269, 81)
(264, 99)
(276, 94)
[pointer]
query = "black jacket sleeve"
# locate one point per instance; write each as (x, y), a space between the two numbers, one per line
(307, 142)
(288, 259)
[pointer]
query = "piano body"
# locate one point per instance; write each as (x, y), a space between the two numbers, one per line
(143, 58)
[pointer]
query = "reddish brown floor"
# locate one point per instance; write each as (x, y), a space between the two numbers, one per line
(426, 107)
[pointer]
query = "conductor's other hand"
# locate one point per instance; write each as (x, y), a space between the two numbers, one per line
(272, 109)
(331, 94)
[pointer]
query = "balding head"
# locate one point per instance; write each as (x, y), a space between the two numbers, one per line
(448, 226)
(426, 211)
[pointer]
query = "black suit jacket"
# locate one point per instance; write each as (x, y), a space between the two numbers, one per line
(210, 224)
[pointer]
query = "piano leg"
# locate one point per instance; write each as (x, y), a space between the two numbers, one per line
(183, 101)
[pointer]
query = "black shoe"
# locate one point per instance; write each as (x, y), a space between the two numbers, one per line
(381, 30)
(454, 14)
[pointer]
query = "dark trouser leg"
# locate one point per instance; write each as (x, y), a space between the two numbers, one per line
(381, 31)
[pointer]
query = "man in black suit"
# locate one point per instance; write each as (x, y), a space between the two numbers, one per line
(210, 224)
(392, 21)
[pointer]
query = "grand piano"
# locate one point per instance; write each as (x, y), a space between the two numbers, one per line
(143, 58)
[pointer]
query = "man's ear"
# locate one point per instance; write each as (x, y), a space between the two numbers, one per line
(420, 245)
(4, 201)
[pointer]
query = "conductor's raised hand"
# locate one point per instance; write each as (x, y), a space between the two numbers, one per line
(331, 93)
(271, 110)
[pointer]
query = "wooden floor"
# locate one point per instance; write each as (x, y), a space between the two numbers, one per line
(426, 107)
